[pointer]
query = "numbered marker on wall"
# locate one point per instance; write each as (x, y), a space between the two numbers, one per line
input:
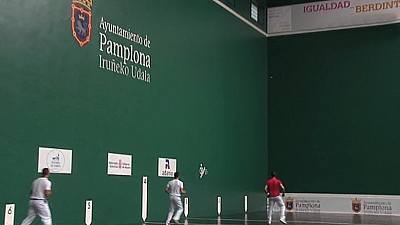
(245, 203)
(186, 207)
(88, 212)
(9, 214)
(144, 198)
(219, 205)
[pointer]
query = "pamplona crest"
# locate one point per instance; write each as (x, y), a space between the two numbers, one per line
(289, 203)
(356, 205)
(81, 20)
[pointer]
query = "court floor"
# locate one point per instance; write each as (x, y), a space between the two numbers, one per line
(293, 219)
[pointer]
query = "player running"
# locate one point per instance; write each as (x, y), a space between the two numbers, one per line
(273, 189)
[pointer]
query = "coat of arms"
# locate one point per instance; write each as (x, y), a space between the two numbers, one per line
(81, 20)
(356, 205)
(289, 203)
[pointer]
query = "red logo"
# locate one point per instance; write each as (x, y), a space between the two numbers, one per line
(356, 205)
(289, 203)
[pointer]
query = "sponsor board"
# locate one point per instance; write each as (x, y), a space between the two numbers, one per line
(342, 203)
(331, 15)
(119, 164)
(166, 167)
(57, 160)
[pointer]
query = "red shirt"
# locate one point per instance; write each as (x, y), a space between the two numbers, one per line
(274, 187)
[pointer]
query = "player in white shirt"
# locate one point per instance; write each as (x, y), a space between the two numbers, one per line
(41, 191)
(175, 189)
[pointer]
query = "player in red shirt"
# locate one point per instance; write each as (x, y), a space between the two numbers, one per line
(273, 189)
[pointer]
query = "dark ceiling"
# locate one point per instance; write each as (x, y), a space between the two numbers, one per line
(273, 3)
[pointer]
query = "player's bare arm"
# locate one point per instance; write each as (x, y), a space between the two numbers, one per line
(183, 191)
(48, 193)
(283, 190)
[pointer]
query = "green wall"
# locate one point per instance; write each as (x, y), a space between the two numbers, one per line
(333, 110)
(206, 103)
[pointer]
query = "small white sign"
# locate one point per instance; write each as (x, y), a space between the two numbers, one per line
(254, 12)
(9, 214)
(119, 164)
(245, 203)
(166, 167)
(144, 198)
(57, 160)
(88, 212)
(186, 207)
(219, 205)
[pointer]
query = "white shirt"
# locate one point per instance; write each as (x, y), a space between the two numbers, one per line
(174, 187)
(40, 185)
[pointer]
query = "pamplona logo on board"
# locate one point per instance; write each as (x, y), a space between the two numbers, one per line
(356, 205)
(123, 51)
(81, 20)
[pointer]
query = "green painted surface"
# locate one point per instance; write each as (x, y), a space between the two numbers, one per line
(333, 106)
(206, 103)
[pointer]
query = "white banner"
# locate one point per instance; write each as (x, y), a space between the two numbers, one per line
(343, 203)
(119, 164)
(166, 167)
(57, 160)
(331, 15)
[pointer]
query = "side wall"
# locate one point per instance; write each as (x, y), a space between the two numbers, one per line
(205, 104)
(333, 101)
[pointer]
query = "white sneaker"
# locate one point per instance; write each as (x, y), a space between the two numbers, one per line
(283, 221)
(269, 222)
